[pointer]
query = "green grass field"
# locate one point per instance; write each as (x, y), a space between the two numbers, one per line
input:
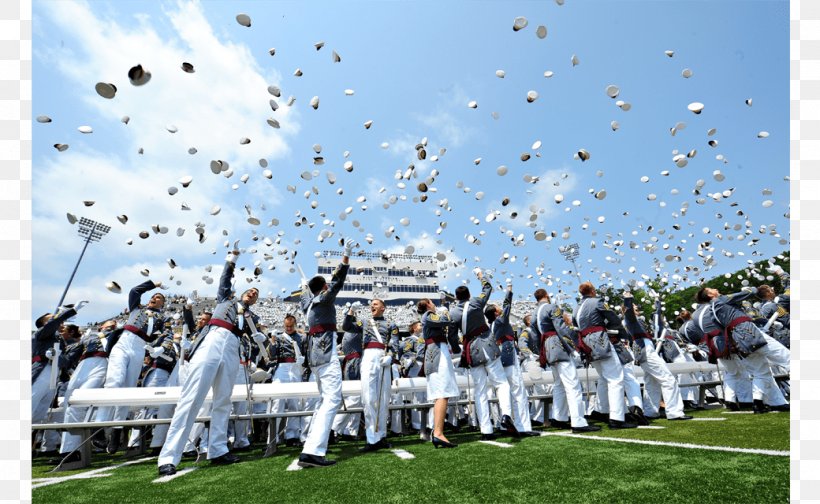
(552, 468)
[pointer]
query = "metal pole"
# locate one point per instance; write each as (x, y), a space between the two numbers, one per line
(62, 298)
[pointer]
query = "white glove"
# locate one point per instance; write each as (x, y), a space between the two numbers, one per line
(258, 338)
(153, 351)
(627, 294)
(356, 304)
(477, 271)
(776, 269)
(260, 375)
(161, 285)
(50, 353)
(349, 244)
(189, 303)
(777, 325)
(232, 256)
(386, 361)
(185, 344)
(251, 367)
(79, 305)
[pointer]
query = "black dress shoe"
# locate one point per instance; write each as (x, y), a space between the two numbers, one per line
(342, 437)
(759, 407)
(559, 424)
(488, 437)
(242, 449)
(597, 415)
(637, 415)
(617, 424)
(588, 428)
(731, 406)
(508, 425)
(378, 445)
(781, 407)
(745, 405)
(167, 469)
(226, 459)
(331, 440)
(440, 443)
(189, 454)
(684, 417)
(306, 460)
(49, 453)
(155, 452)
(529, 434)
(536, 423)
(293, 442)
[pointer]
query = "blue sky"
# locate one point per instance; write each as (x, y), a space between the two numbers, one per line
(413, 67)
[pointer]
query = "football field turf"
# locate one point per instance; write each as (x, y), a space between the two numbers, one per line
(721, 458)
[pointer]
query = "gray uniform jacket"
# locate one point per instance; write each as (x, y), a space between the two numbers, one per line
(436, 329)
(145, 322)
(408, 353)
(352, 350)
(479, 348)
(548, 321)
(591, 317)
(504, 335)
(641, 335)
(321, 316)
(44, 338)
(739, 327)
(528, 344)
(375, 331)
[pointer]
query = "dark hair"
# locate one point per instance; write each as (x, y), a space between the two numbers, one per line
(489, 312)
(316, 284)
(72, 330)
(540, 294)
(413, 324)
(206, 312)
(380, 301)
(462, 293)
(764, 290)
(41, 320)
(290, 317)
(421, 307)
(527, 317)
(586, 289)
(701, 296)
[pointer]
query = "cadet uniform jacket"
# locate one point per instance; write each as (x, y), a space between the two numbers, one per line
(504, 335)
(44, 338)
(479, 347)
(556, 339)
(143, 321)
(321, 316)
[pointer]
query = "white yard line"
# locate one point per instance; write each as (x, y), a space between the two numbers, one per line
(753, 451)
(708, 419)
(165, 479)
(651, 427)
(403, 454)
(737, 412)
(294, 466)
(95, 473)
(496, 443)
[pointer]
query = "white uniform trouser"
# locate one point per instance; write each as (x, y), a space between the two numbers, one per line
(41, 395)
(286, 372)
(736, 382)
(124, 365)
(199, 432)
(777, 354)
(567, 396)
(308, 405)
(156, 377)
(631, 386)
(531, 364)
(762, 381)
(660, 381)
(611, 372)
(329, 380)
(396, 416)
(241, 428)
(492, 372)
(375, 393)
(90, 374)
(213, 364)
(520, 401)
(165, 411)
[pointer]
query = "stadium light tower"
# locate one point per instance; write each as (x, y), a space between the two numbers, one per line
(91, 231)
(571, 252)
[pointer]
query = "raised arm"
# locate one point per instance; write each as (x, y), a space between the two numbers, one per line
(506, 306)
(135, 295)
(224, 291)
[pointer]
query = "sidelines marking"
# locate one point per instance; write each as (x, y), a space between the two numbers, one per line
(737, 413)
(294, 466)
(95, 473)
(496, 443)
(753, 451)
(708, 419)
(403, 454)
(651, 427)
(164, 479)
